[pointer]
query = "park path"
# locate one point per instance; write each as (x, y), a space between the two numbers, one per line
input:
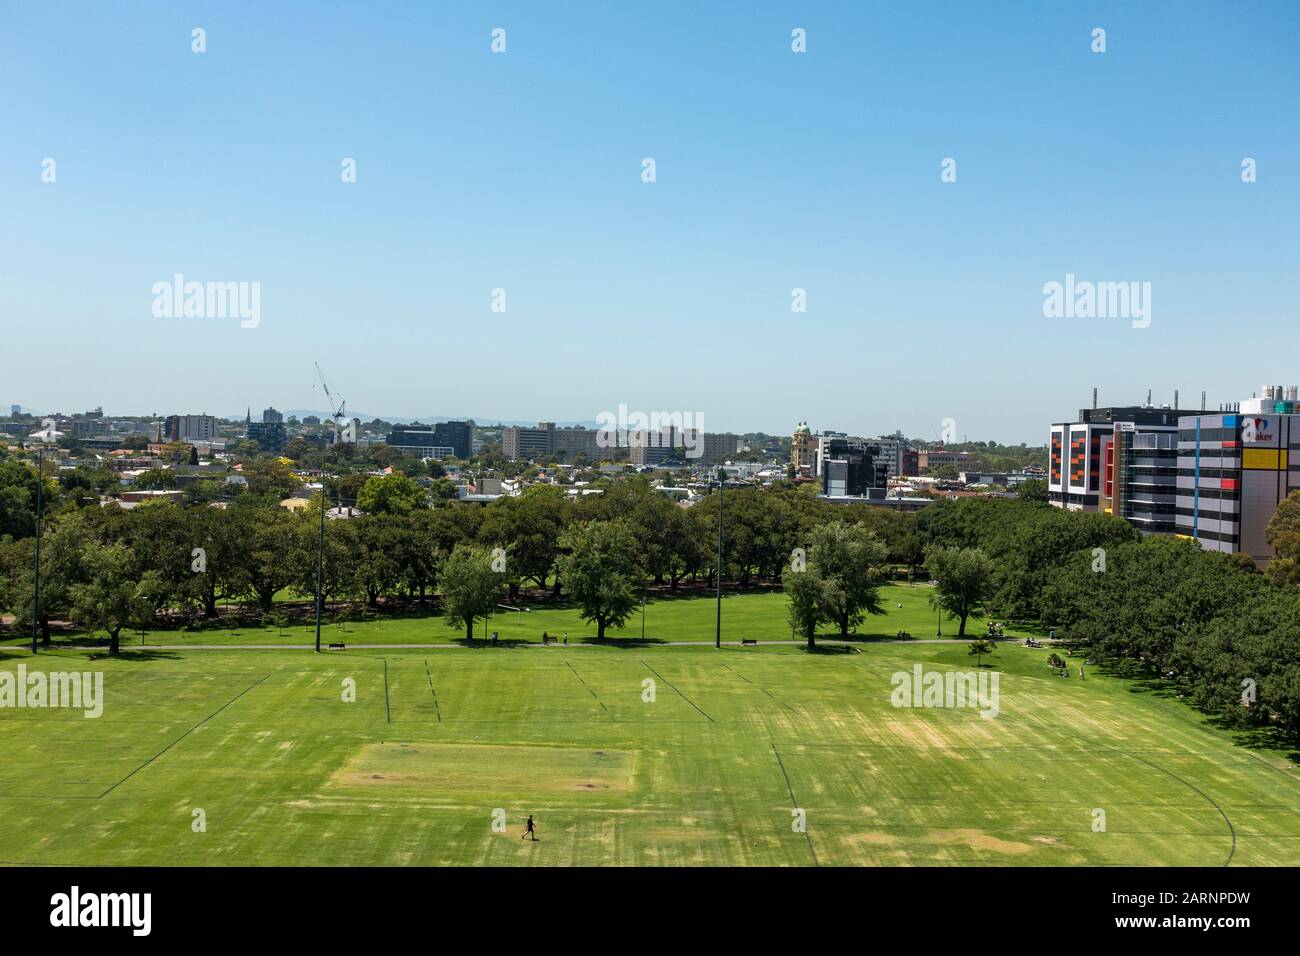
(616, 642)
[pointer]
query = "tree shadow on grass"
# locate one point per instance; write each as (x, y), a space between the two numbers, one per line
(622, 643)
(839, 649)
(480, 644)
(127, 654)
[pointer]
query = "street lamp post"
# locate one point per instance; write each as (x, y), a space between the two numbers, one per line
(320, 551)
(36, 578)
(717, 638)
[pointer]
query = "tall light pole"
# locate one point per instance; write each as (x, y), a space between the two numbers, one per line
(717, 639)
(36, 577)
(320, 552)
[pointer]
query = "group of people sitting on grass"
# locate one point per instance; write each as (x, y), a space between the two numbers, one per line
(994, 630)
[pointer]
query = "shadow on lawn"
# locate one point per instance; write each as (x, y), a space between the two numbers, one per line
(128, 654)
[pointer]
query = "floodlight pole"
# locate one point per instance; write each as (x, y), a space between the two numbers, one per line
(320, 552)
(717, 639)
(40, 502)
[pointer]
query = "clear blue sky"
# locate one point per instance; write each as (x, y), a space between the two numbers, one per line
(775, 171)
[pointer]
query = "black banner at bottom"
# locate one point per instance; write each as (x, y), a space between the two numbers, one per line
(335, 906)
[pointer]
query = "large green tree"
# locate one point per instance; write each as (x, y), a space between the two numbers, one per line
(812, 602)
(114, 593)
(850, 559)
(601, 568)
(470, 586)
(391, 494)
(963, 581)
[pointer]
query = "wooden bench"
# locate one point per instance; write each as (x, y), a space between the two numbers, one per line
(338, 647)
(748, 642)
(548, 639)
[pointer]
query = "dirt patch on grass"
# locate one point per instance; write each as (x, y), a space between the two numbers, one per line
(486, 768)
(979, 840)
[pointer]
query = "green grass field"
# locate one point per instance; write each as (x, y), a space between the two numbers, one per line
(758, 615)
(708, 773)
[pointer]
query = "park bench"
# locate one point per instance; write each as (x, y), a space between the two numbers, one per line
(748, 642)
(338, 647)
(549, 639)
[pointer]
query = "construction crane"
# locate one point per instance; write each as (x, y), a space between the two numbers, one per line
(336, 413)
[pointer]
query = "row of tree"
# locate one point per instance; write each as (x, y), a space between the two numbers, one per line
(1210, 624)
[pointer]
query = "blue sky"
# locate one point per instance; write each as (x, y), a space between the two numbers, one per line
(775, 170)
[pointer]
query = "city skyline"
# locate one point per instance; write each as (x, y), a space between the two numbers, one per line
(779, 175)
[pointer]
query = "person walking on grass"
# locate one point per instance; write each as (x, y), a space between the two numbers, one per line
(529, 829)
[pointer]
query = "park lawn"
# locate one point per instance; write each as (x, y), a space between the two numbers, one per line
(757, 615)
(708, 769)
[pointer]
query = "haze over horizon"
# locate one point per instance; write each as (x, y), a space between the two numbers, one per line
(775, 171)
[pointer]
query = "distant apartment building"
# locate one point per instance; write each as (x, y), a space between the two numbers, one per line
(719, 446)
(1120, 460)
(909, 463)
(85, 427)
(188, 428)
(893, 448)
(689, 446)
(550, 440)
(931, 458)
(1234, 468)
(443, 440)
(809, 451)
(852, 467)
(270, 433)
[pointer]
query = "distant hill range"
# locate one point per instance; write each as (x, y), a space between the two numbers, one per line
(301, 413)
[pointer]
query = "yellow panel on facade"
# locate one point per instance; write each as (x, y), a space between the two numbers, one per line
(1271, 459)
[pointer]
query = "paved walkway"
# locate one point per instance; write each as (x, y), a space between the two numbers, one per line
(613, 642)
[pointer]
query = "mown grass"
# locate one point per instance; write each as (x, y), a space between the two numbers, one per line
(756, 615)
(625, 755)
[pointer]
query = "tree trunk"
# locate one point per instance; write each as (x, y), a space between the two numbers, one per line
(114, 647)
(469, 629)
(961, 631)
(812, 640)
(600, 628)
(45, 630)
